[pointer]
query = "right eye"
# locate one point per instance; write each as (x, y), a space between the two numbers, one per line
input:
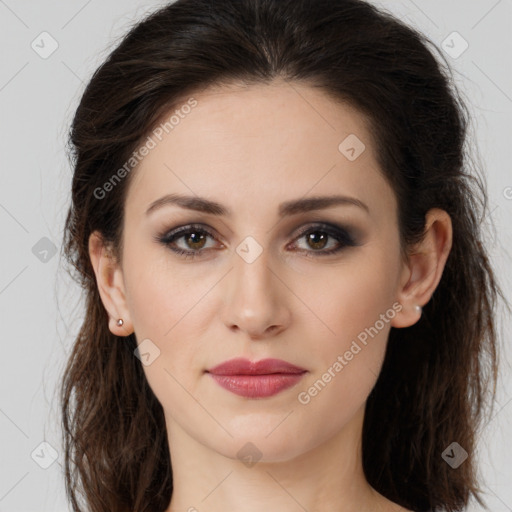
(194, 240)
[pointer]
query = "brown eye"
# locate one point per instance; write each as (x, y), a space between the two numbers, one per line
(317, 240)
(320, 240)
(192, 240)
(195, 240)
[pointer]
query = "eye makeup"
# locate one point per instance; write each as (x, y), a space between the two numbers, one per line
(194, 237)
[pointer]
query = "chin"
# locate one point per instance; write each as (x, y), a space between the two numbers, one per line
(256, 443)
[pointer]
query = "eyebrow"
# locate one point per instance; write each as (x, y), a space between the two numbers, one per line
(287, 208)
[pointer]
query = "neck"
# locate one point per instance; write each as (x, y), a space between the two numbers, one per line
(327, 478)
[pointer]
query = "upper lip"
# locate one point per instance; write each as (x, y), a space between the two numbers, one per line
(241, 366)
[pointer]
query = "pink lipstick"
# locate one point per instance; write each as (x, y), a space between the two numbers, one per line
(258, 379)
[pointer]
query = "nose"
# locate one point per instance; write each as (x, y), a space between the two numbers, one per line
(256, 298)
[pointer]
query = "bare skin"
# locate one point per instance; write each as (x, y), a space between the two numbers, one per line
(251, 149)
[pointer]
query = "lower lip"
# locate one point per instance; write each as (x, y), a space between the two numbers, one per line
(257, 386)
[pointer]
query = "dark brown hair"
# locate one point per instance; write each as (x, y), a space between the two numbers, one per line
(437, 376)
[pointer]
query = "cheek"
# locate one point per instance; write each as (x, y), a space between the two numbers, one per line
(344, 300)
(346, 365)
(354, 309)
(161, 303)
(158, 296)
(165, 307)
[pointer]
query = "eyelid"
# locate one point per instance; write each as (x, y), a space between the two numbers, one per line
(311, 226)
(329, 228)
(185, 228)
(179, 231)
(342, 234)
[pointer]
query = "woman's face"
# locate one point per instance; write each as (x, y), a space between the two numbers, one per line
(315, 285)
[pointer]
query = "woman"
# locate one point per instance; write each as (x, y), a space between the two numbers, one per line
(289, 305)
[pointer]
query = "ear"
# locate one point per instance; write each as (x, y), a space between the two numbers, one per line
(109, 278)
(424, 268)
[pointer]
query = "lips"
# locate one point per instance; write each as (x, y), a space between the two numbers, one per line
(256, 379)
(240, 366)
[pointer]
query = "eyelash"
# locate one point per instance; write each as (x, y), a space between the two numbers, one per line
(338, 233)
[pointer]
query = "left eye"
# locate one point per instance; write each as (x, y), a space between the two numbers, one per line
(316, 237)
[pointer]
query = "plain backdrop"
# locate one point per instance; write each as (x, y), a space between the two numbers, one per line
(40, 307)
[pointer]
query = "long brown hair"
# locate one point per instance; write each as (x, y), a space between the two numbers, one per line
(438, 375)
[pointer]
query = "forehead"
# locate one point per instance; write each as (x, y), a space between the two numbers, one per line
(274, 141)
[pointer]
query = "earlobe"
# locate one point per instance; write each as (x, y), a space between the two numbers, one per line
(424, 268)
(109, 279)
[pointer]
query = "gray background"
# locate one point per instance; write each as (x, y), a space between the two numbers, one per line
(40, 308)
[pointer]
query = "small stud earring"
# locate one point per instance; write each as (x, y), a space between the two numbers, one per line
(120, 322)
(418, 309)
